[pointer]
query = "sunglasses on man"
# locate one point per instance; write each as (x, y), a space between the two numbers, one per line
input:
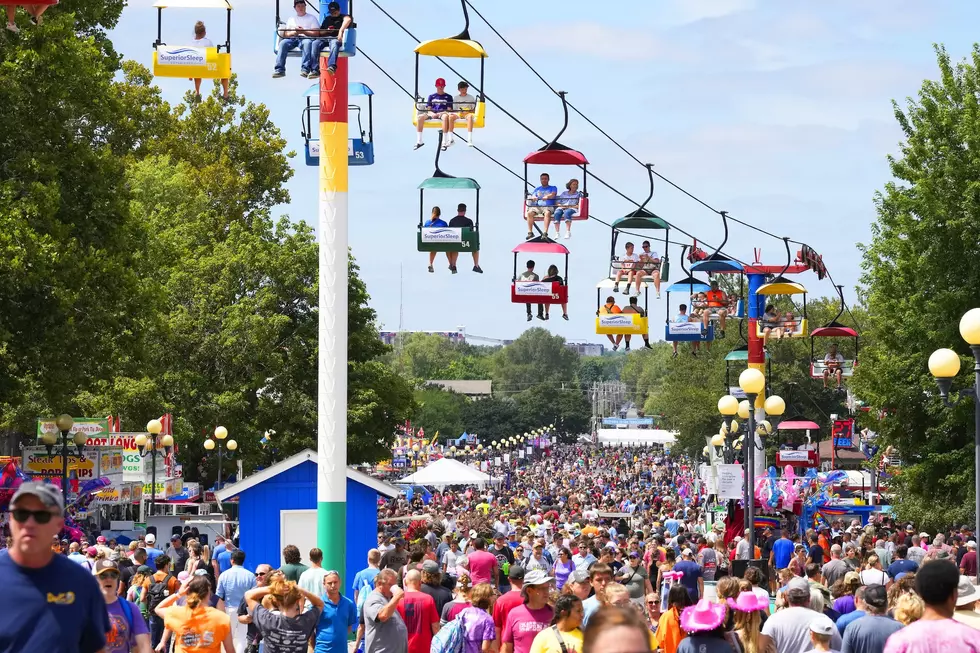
(21, 515)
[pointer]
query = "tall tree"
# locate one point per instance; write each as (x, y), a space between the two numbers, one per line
(922, 271)
(536, 357)
(71, 302)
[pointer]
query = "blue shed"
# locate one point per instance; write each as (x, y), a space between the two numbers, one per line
(277, 506)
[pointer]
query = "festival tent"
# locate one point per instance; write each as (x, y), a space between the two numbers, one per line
(615, 437)
(447, 471)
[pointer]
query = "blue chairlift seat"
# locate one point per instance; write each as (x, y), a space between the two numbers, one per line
(360, 150)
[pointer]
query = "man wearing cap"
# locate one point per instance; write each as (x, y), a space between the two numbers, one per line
(152, 553)
(968, 564)
(438, 106)
(789, 629)
(509, 600)
(525, 621)
(331, 33)
(396, 558)
(869, 633)
(297, 33)
(692, 579)
(579, 584)
(129, 631)
(432, 585)
(178, 554)
(967, 595)
(50, 603)
(505, 558)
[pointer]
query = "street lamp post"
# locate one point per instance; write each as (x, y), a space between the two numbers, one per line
(220, 433)
(153, 427)
(752, 382)
(64, 423)
(944, 364)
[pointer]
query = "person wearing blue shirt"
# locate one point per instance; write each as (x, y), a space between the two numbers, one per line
(683, 317)
(152, 553)
(541, 203)
(438, 106)
(435, 220)
(568, 206)
(364, 579)
(338, 619)
(782, 552)
(51, 604)
(232, 585)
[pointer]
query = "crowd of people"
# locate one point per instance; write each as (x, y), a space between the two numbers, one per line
(586, 550)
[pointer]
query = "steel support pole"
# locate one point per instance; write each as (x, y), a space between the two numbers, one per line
(976, 435)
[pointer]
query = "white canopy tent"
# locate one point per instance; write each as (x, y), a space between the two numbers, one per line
(615, 437)
(447, 471)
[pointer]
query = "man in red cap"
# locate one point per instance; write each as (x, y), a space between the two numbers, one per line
(439, 106)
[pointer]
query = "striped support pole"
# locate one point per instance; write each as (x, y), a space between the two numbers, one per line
(756, 462)
(331, 488)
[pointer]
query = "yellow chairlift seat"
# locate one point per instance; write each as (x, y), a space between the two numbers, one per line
(452, 48)
(623, 323)
(798, 329)
(189, 61)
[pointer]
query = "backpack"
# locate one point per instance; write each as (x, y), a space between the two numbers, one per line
(362, 596)
(158, 591)
(449, 639)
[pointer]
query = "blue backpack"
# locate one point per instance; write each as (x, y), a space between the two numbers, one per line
(449, 639)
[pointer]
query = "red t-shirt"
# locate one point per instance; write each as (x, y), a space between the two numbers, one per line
(418, 611)
(482, 564)
(503, 606)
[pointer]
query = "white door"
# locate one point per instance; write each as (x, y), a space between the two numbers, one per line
(297, 527)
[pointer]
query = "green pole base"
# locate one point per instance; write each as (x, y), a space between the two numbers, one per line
(331, 535)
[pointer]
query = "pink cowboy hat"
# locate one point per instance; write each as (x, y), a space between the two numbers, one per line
(748, 602)
(706, 615)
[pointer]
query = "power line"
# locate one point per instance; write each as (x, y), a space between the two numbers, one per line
(532, 132)
(723, 214)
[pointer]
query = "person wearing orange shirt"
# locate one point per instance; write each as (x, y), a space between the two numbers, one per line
(610, 308)
(198, 627)
(669, 633)
(717, 305)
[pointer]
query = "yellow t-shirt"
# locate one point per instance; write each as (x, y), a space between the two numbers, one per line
(547, 641)
(198, 631)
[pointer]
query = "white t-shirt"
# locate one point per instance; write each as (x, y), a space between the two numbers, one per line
(464, 103)
(828, 358)
(202, 43)
(306, 21)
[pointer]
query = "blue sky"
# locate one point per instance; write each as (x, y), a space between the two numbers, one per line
(778, 112)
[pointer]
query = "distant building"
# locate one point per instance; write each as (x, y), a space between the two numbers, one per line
(471, 389)
(460, 336)
(455, 337)
(586, 348)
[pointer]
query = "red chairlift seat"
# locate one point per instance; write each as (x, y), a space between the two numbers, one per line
(539, 292)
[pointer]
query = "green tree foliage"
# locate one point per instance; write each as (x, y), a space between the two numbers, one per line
(428, 357)
(441, 411)
(141, 269)
(71, 303)
(536, 357)
(922, 271)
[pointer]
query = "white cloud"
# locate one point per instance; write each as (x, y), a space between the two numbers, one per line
(594, 41)
(680, 12)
